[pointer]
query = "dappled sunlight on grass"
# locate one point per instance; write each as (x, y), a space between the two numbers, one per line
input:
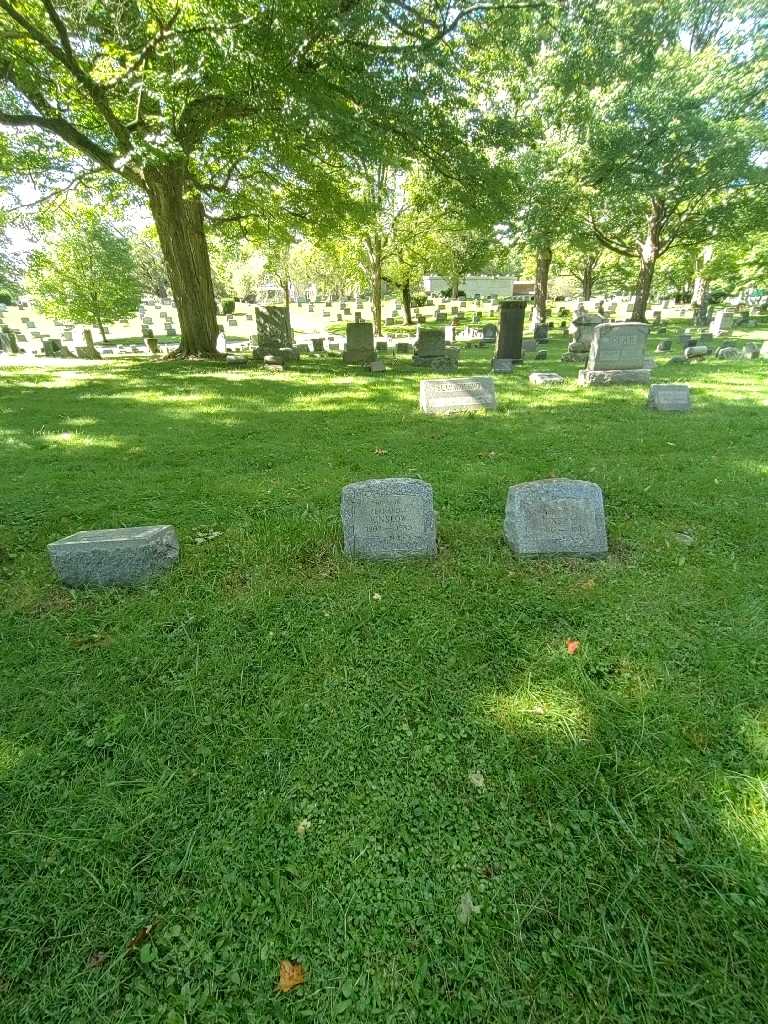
(11, 755)
(548, 712)
(74, 439)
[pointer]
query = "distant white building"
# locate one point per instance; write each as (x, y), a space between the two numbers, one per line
(478, 284)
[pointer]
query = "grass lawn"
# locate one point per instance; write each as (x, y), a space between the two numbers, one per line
(393, 773)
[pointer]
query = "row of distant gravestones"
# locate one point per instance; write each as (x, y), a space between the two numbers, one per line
(388, 519)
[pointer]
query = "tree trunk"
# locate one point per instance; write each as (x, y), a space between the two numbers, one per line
(588, 276)
(179, 221)
(376, 282)
(406, 290)
(543, 262)
(455, 286)
(648, 256)
(285, 284)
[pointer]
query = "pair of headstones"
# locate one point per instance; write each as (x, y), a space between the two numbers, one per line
(395, 519)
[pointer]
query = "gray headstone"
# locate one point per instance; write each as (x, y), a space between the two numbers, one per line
(669, 397)
(510, 339)
(696, 351)
(104, 558)
(359, 348)
(618, 347)
(722, 323)
(389, 519)
(545, 378)
(461, 394)
(504, 365)
(556, 517)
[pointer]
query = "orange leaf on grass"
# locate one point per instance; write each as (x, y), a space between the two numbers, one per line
(291, 975)
(140, 937)
(572, 646)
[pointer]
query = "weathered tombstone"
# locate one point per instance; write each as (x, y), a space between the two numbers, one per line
(722, 323)
(509, 347)
(463, 394)
(431, 352)
(389, 519)
(696, 351)
(273, 332)
(556, 517)
(664, 346)
(489, 334)
(377, 366)
(669, 397)
(545, 378)
(727, 352)
(582, 330)
(541, 332)
(123, 557)
(221, 343)
(359, 350)
(617, 355)
(541, 354)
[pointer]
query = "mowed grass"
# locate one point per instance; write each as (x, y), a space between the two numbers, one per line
(395, 774)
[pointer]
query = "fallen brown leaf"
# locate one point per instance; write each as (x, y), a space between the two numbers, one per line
(96, 959)
(140, 937)
(291, 975)
(572, 646)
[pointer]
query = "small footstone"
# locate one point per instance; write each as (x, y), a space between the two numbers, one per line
(504, 365)
(541, 354)
(106, 558)
(545, 378)
(377, 366)
(389, 519)
(669, 397)
(556, 517)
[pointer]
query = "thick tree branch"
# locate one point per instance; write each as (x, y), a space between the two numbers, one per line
(610, 243)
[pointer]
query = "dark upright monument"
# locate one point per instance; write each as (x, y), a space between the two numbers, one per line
(509, 349)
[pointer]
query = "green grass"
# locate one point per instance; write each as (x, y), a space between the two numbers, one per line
(160, 748)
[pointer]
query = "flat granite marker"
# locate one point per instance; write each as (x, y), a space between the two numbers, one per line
(556, 517)
(106, 558)
(669, 397)
(545, 378)
(617, 355)
(389, 519)
(461, 394)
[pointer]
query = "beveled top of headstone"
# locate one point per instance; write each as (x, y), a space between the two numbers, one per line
(121, 535)
(389, 519)
(556, 517)
(618, 346)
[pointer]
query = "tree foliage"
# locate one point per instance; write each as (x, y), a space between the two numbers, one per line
(85, 271)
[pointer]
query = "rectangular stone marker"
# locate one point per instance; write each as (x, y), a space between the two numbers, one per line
(545, 378)
(389, 519)
(722, 323)
(510, 341)
(556, 517)
(617, 355)
(105, 558)
(359, 348)
(670, 397)
(461, 394)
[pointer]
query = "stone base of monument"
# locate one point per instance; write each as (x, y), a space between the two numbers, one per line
(107, 558)
(505, 365)
(556, 517)
(440, 364)
(590, 378)
(669, 398)
(545, 378)
(358, 358)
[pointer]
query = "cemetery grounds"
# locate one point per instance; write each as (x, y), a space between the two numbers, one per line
(474, 789)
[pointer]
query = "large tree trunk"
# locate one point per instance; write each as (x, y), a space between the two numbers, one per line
(178, 218)
(648, 256)
(541, 287)
(406, 290)
(375, 267)
(455, 286)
